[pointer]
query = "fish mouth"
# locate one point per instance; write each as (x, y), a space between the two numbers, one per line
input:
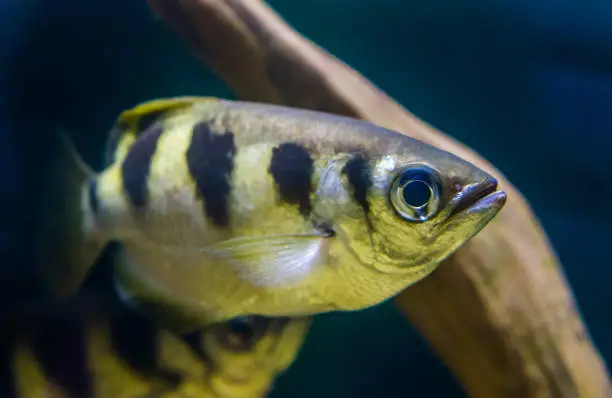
(481, 196)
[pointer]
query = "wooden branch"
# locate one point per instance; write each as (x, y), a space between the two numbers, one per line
(499, 312)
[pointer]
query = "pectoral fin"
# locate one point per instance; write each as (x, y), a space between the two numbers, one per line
(272, 261)
(157, 306)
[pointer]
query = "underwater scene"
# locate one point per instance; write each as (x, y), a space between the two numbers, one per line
(238, 198)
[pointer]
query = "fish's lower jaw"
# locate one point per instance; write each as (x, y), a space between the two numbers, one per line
(474, 218)
(364, 302)
(395, 283)
(418, 267)
(361, 297)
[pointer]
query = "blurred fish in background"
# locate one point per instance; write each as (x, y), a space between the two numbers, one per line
(526, 84)
(94, 347)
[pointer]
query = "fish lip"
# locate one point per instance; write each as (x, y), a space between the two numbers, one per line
(482, 195)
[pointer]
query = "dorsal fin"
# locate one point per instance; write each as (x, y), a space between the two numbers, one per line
(132, 122)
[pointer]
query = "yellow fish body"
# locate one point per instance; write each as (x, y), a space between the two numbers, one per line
(227, 208)
(83, 354)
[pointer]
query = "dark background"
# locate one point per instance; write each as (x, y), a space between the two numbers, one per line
(527, 84)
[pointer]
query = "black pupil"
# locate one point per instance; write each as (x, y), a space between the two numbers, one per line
(416, 193)
(241, 328)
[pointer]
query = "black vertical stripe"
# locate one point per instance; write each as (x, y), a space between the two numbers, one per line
(94, 201)
(136, 342)
(358, 174)
(292, 167)
(136, 166)
(123, 127)
(195, 342)
(117, 133)
(147, 120)
(210, 158)
(60, 349)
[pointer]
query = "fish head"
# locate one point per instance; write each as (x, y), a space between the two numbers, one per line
(248, 347)
(404, 210)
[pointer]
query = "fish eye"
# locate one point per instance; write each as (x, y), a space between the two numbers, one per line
(241, 327)
(415, 193)
(241, 332)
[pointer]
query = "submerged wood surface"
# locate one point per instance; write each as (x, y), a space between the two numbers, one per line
(499, 312)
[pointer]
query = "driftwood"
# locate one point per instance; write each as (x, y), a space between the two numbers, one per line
(499, 312)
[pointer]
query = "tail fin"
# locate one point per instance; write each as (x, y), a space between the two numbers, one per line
(64, 250)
